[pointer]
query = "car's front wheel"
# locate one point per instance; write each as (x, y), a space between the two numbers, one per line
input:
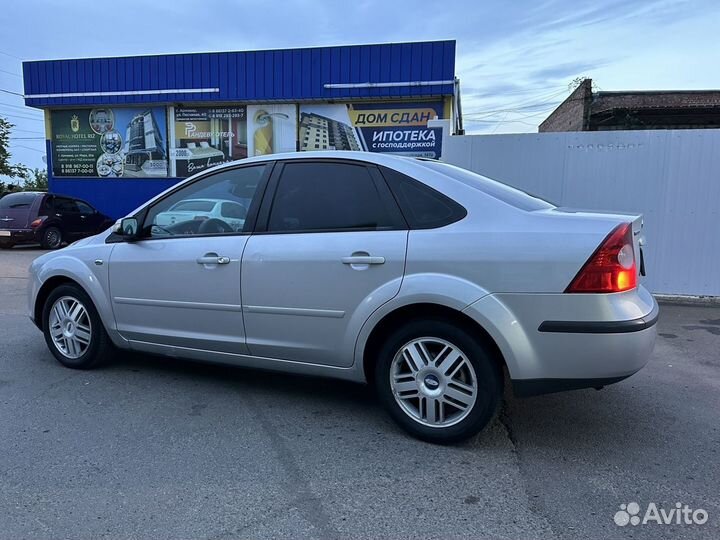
(73, 329)
(438, 381)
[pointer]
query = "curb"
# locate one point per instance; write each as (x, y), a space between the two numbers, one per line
(682, 300)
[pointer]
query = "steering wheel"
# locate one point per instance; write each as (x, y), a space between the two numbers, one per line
(214, 225)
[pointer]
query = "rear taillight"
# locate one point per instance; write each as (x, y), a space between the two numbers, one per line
(37, 222)
(611, 268)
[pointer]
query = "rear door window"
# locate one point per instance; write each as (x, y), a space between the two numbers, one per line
(65, 206)
(84, 208)
(328, 196)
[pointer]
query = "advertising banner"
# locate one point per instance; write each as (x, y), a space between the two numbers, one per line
(272, 129)
(207, 136)
(398, 128)
(109, 142)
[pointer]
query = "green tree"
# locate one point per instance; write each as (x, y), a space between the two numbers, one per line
(6, 168)
(35, 180)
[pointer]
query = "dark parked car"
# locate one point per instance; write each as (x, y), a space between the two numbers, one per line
(48, 219)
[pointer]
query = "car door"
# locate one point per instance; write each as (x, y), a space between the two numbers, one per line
(178, 286)
(90, 219)
(67, 211)
(329, 248)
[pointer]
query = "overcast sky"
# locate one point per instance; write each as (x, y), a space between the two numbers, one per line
(515, 59)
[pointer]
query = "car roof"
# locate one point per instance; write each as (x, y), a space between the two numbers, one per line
(411, 166)
(352, 155)
(26, 193)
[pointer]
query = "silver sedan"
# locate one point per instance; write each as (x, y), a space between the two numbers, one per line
(436, 285)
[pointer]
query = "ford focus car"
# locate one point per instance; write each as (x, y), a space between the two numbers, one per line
(438, 286)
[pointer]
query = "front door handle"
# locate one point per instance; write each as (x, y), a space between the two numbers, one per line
(213, 259)
(363, 259)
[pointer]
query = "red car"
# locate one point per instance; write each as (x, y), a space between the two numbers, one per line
(29, 217)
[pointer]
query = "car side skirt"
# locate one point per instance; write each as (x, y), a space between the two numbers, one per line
(248, 361)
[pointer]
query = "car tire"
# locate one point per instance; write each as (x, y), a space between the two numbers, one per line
(75, 335)
(6, 246)
(438, 381)
(51, 238)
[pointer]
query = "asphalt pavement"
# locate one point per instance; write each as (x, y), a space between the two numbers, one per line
(157, 448)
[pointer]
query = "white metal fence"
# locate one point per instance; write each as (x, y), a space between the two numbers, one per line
(672, 177)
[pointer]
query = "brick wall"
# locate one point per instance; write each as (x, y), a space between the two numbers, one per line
(571, 114)
(604, 101)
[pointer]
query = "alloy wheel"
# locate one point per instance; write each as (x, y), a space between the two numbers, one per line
(53, 238)
(433, 382)
(70, 327)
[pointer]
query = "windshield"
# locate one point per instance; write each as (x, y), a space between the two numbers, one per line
(507, 194)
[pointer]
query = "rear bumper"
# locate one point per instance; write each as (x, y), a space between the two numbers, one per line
(601, 327)
(554, 342)
(19, 236)
(537, 387)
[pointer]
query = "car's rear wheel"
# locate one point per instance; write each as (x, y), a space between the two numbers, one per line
(73, 329)
(6, 246)
(51, 238)
(438, 381)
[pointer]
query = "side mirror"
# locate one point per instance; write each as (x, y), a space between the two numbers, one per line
(126, 227)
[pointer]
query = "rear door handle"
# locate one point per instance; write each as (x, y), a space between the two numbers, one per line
(363, 259)
(213, 259)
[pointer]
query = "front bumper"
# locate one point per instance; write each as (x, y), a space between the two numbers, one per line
(33, 288)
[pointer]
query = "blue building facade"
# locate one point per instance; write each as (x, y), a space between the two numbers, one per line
(120, 130)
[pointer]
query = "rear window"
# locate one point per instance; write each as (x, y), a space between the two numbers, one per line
(194, 206)
(496, 189)
(17, 200)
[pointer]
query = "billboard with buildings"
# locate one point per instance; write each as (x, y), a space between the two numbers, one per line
(399, 128)
(109, 142)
